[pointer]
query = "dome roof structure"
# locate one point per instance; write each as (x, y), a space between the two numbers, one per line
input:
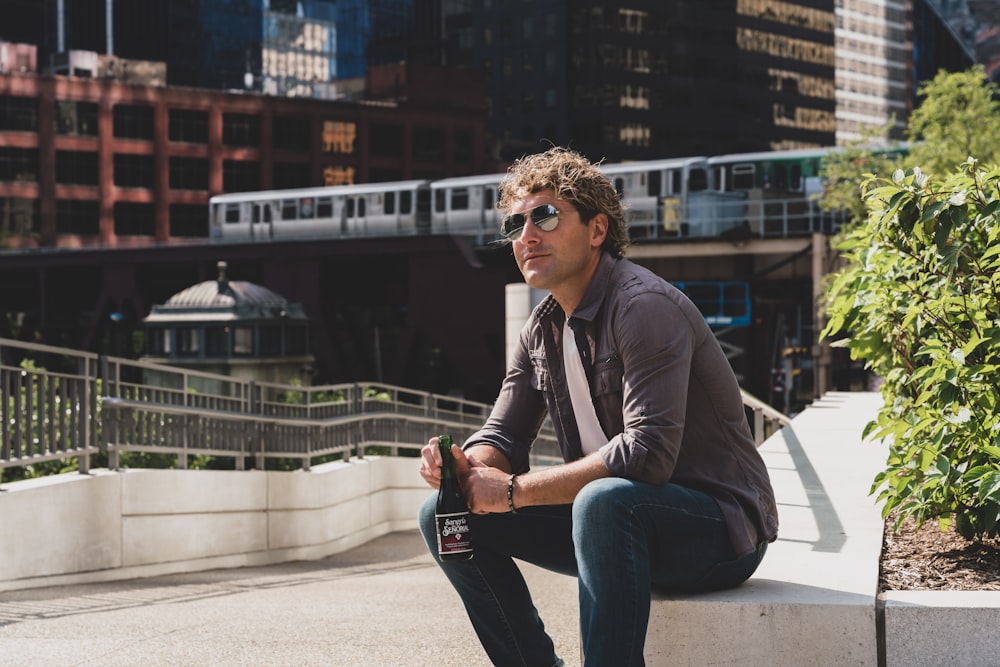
(224, 299)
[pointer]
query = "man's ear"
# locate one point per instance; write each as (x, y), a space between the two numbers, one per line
(599, 230)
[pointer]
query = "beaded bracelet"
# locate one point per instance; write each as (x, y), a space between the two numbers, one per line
(510, 494)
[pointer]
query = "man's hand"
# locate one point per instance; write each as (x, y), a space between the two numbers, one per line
(485, 487)
(430, 462)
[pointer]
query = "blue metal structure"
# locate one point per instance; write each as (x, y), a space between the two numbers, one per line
(724, 304)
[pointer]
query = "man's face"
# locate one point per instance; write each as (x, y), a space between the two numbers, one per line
(560, 259)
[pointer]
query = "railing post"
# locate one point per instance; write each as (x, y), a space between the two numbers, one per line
(758, 426)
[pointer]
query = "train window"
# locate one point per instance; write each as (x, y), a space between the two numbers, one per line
(307, 210)
(675, 181)
(389, 204)
(796, 182)
(289, 209)
(324, 207)
(231, 212)
(459, 199)
(350, 206)
(780, 177)
(697, 180)
(743, 177)
(405, 202)
(439, 200)
(620, 186)
(489, 198)
(361, 207)
(653, 188)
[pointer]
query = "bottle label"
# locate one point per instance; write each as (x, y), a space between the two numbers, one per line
(453, 533)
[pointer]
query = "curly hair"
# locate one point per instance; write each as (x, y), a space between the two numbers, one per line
(574, 179)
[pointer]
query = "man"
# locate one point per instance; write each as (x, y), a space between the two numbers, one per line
(661, 486)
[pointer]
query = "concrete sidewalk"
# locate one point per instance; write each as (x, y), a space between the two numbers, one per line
(384, 603)
(387, 603)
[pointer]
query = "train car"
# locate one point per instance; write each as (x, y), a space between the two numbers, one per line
(780, 188)
(466, 205)
(796, 171)
(783, 188)
(372, 209)
(672, 197)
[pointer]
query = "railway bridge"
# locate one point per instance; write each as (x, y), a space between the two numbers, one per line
(419, 311)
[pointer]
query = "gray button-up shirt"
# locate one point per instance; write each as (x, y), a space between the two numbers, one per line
(664, 393)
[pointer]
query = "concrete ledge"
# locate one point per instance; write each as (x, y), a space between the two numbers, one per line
(109, 526)
(812, 601)
(934, 628)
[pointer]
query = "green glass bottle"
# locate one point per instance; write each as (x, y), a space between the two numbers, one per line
(453, 534)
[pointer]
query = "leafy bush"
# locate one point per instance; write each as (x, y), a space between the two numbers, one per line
(919, 300)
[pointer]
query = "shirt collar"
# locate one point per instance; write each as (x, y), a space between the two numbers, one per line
(593, 298)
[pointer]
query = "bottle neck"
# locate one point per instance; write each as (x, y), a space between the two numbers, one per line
(447, 462)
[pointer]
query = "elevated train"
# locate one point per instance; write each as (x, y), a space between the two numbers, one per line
(761, 194)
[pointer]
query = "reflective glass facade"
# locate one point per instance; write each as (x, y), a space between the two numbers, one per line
(647, 79)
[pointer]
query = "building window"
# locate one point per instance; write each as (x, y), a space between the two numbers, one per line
(240, 175)
(428, 143)
(158, 342)
(385, 140)
(76, 119)
(188, 341)
(76, 168)
(188, 173)
(134, 219)
(189, 220)
(134, 171)
(291, 134)
(19, 164)
(19, 217)
(243, 341)
(340, 175)
(217, 341)
(338, 137)
(18, 114)
(188, 126)
(133, 122)
(75, 216)
(240, 129)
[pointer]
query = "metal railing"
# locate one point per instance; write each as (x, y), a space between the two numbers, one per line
(59, 403)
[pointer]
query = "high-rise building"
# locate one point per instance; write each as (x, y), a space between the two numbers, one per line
(885, 48)
(650, 79)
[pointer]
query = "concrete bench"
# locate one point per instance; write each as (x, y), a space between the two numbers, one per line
(813, 600)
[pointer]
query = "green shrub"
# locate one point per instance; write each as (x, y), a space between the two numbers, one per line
(918, 301)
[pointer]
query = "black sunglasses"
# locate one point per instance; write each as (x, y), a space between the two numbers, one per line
(545, 217)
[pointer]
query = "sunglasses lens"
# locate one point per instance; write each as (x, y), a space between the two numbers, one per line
(545, 217)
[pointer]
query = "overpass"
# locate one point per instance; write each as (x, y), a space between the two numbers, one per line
(385, 308)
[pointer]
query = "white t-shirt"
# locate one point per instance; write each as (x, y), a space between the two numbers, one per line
(592, 435)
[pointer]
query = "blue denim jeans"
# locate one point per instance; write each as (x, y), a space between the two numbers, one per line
(620, 538)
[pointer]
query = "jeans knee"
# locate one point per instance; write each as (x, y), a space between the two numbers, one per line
(597, 500)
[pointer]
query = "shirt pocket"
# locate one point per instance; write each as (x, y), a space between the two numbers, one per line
(608, 375)
(540, 375)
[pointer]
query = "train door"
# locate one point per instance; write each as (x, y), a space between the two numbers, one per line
(261, 220)
(423, 209)
(356, 215)
(489, 222)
